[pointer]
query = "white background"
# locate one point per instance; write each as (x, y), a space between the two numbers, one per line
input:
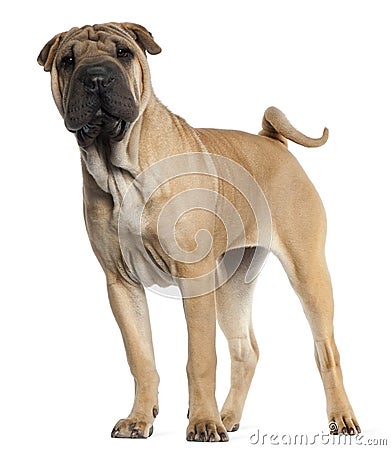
(64, 376)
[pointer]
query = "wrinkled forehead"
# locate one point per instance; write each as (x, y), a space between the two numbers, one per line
(100, 37)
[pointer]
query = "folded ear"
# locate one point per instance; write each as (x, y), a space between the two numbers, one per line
(46, 57)
(142, 36)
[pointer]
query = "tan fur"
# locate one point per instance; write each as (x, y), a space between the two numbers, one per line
(299, 228)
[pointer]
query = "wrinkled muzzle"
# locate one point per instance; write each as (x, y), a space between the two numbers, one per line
(100, 103)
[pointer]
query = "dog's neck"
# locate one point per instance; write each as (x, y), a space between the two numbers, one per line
(115, 165)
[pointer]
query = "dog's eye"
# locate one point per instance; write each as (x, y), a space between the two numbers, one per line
(68, 61)
(124, 53)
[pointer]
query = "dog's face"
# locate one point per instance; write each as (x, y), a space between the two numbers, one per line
(100, 78)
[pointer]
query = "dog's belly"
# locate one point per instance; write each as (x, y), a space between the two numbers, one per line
(149, 264)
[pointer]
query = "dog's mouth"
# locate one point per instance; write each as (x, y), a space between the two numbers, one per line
(100, 104)
(104, 125)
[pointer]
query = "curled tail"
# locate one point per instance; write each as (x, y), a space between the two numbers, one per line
(277, 126)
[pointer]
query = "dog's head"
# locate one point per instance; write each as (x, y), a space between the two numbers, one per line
(100, 78)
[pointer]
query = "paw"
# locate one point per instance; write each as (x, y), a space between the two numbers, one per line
(230, 422)
(206, 431)
(132, 428)
(344, 424)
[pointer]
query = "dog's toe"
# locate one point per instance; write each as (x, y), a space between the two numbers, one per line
(344, 424)
(230, 422)
(131, 428)
(206, 431)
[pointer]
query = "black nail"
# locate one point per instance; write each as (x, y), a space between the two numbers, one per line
(223, 437)
(135, 434)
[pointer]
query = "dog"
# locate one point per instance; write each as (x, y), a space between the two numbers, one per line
(168, 204)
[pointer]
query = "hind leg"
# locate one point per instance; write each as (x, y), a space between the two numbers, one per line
(233, 303)
(300, 248)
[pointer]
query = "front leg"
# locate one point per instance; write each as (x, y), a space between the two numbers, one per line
(130, 309)
(204, 419)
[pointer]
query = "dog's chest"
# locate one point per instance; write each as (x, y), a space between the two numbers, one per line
(138, 237)
(118, 217)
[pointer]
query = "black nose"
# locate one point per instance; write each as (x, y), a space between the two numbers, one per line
(96, 78)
